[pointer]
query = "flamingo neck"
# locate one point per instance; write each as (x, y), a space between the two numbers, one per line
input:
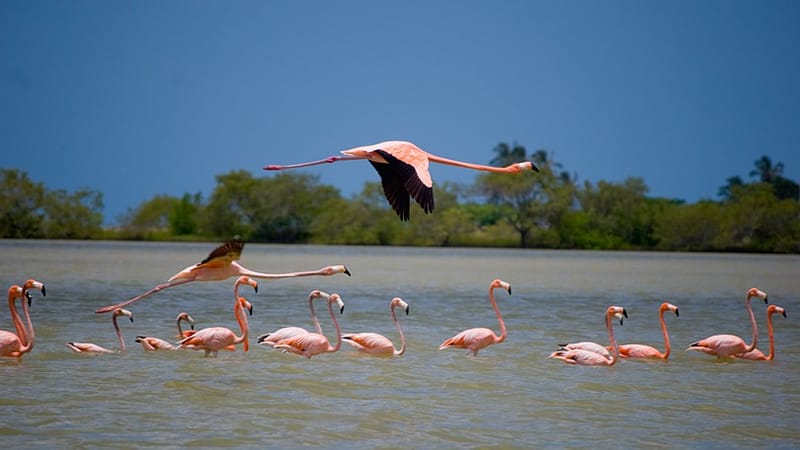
(615, 353)
(12, 307)
(119, 334)
(330, 159)
(771, 354)
(503, 331)
(402, 336)
(180, 331)
(752, 345)
(241, 270)
(667, 346)
(314, 318)
(338, 331)
(31, 335)
(241, 319)
(481, 167)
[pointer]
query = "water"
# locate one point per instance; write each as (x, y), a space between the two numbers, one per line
(511, 395)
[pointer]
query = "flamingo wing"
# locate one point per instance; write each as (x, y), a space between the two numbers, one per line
(224, 254)
(400, 180)
(369, 342)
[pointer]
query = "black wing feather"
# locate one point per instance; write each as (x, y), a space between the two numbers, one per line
(393, 190)
(233, 246)
(405, 174)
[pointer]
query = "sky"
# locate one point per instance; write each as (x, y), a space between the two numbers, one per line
(146, 98)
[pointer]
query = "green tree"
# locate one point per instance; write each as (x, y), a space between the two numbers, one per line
(620, 211)
(183, 215)
(152, 216)
(77, 215)
(529, 201)
(21, 201)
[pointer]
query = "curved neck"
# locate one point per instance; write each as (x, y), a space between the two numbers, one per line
(338, 331)
(241, 319)
(667, 347)
(180, 331)
(503, 332)
(31, 335)
(25, 344)
(752, 345)
(615, 353)
(451, 162)
(119, 334)
(314, 318)
(402, 336)
(771, 354)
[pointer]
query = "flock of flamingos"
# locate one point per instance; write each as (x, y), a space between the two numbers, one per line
(403, 168)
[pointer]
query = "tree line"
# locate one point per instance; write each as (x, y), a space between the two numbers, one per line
(549, 209)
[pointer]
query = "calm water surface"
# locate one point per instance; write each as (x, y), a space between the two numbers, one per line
(511, 395)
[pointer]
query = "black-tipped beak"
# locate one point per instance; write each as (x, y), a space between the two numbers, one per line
(256, 289)
(131, 319)
(624, 313)
(677, 314)
(341, 310)
(509, 290)
(765, 300)
(407, 309)
(784, 313)
(533, 166)
(347, 271)
(250, 309)
(191, 325)
(28, 296)
(44, 291)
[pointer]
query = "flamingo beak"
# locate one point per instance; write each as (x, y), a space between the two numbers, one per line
(346, 271)
(677, 314)
(509, 290)
(408, 308)
(533, 166)
(341, 310)
(784, 313)
(28, 296)
(765, 300)
(250, 308)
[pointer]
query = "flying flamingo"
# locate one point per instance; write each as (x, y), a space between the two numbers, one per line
(725, 345)
(220, 265)
(582, 357)
(758, 355)
(280, 334)
(86, 347)
(213, 339)
(475, 339)
(376, 344)
(15, 345)
(310, 344)
(403, 168)
(646, 351)
(150, 343)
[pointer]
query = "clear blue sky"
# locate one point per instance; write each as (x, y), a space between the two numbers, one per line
(136, 99)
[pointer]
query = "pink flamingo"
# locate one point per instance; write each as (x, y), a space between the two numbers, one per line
(403, 168)
(589, 358)
(758, 355)
(310, 344)
(26, 287)
(15, 345)
(475, 339)
(153, 343)
(280, 334)
(376, 344)
(725, 345)
(86, 347)
(646, 351)
(213, 339)
(220, 265)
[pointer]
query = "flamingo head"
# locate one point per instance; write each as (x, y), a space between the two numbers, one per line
(14, 292)
(333, 270)
(498, 283)
(122, 312)
(186, 317)
(755, 292)
(246, 305)
(617, 312)
(525, 165)
(140, 338)
(772, 309)
(398, 302)
(670, 307)
(33, 284)
(248, 281)
(336, 298)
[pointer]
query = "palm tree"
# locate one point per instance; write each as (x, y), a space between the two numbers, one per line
(766, 171)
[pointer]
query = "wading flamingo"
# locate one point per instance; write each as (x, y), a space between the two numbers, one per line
(86, 347)
(150, 343)
(758, 355)
(310, 344)
(220, 265)
(376, 344)
(280, 334)
(646, 351)
(582, 357)
(213, 339)
(403, 168)
(475, 339)
(725, 345)
(15, 345)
